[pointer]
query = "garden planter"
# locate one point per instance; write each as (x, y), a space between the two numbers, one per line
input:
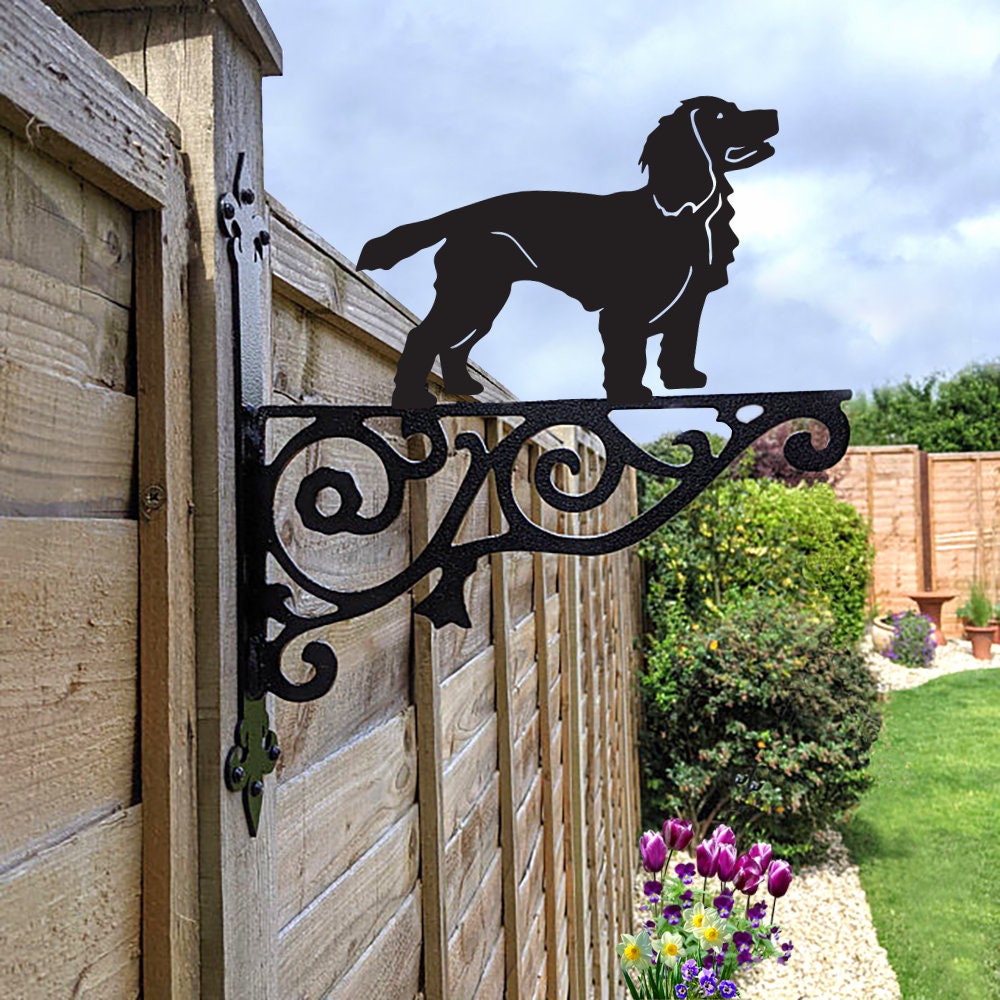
(995, 625)
(929, 603)
(882, 632)
(981, 637)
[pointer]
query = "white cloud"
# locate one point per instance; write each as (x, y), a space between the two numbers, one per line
(868, 242)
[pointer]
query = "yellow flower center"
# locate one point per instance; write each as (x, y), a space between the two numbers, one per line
(671, 949)
(632, 952)
(699, 919)
(712, 934)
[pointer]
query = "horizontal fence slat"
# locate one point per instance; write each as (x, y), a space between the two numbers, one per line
(69, 918)
(332, 813)
(68, 672)
(74, 105)
(325, 940)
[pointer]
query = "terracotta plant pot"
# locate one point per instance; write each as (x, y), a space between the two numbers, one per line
(995, 625)
(981, 637)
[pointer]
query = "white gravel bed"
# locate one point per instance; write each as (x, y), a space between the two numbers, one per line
(951, 658)
(825, 913)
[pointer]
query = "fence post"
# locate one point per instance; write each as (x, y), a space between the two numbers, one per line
(202, 65)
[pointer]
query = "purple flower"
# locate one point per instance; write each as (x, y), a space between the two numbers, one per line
(747, 876)
(653, 851)
(689, 969)
(707, 856)
(726, 861)
(687, 899)
(681, 991)
(779, 878)
(723, 835)
(685, 872)
(786, 949)
(652, 888)
(677, 833)
(707, 982)
(757, 913)
(727, 988)
(672, 914)
(761, 853)
(724, 903)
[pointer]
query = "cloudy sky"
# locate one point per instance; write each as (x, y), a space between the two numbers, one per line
(870, 242)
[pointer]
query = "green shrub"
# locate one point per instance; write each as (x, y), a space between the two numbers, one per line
(762, 721)
(800, 544)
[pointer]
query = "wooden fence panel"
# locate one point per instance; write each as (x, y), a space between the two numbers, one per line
(935, 534)
(71, 837)
(505, 791)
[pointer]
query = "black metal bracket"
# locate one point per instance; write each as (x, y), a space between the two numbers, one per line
(282, 450)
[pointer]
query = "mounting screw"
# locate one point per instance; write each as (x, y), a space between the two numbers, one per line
(265, 237)
(238, 773)
(154, 498)
(247, 196)
(274, 752)
(228, 209)
(257, 787)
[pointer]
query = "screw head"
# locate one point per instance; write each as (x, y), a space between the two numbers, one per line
(238, 773)
(274, 752)
(265, 237)
(154, 498)
(257, 787)
(247, 196)
(228, 209)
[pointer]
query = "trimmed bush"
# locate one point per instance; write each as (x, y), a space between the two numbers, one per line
(763, 721)
(801, 545)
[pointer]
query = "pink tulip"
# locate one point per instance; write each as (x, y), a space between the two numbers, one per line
(677, 833)
(653, 851)
(761, 853)
(722, 834)
(707, 856)
(726, 858)
(779, 878)
(747, 876)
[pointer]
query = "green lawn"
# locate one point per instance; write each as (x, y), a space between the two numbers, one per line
(927, 838)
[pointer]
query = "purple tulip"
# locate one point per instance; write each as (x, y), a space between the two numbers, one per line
(723, 835)
(677, 833)
(726, 861)
(653, 851)
(747, 876)
(761, 853)
(707, 856)
(779, 878)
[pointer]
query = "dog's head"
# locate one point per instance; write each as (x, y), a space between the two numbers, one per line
(703, 138)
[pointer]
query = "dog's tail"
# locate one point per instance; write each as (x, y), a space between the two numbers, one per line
(386, 251)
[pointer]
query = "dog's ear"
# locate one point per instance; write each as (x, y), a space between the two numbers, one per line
(681, 172)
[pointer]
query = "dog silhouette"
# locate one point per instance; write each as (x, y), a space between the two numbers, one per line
(645, 259)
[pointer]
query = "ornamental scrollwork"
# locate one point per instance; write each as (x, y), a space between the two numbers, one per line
(272, 624)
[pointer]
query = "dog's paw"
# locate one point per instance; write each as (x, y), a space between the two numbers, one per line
(408, 398)
(462, 385)
(640, 394)
(691, 379)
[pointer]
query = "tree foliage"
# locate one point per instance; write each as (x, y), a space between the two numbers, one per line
(935, 413)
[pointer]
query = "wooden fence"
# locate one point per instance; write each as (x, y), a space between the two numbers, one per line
(457, 817)
(935, 521)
